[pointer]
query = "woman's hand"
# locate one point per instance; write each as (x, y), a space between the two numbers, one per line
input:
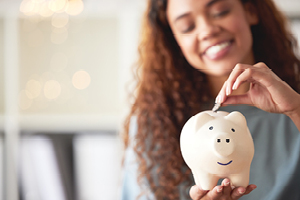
(267, 91)
(223, 191)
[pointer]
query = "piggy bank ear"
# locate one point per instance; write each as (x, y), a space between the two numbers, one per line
(200, 119)
(237, 118)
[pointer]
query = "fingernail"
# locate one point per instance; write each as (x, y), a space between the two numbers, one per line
(227, 91)
(226, 183)
(218, 99)
(234, 87)
(242, 191)
(220, 189)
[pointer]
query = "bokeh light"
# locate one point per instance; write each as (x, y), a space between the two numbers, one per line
(60, 20)
(52, 89)
(57, 5)
(81, 80)
(27, 7)
(46, 8)
(74, 7)
(33, 88)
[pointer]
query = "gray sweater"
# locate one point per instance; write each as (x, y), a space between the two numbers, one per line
(275, 168)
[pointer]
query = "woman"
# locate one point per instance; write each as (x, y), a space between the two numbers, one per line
(192, 51)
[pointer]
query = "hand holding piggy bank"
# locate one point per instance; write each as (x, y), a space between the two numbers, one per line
(217, 145)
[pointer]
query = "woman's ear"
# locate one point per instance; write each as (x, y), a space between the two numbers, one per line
(251, 14)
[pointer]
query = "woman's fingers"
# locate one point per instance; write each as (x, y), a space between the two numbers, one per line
(238, 99)
(227, 186)
(222, 94)
(250, 188)
(258, 73)
(236, 72)
(242, 73)
(216, 192)
(227, 87)
(238, 193)
(196, 193)
(223, 190)
(241, 191)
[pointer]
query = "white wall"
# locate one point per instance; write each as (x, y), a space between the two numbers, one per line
(98, 167)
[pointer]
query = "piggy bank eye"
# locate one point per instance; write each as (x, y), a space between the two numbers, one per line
(211, 128)
(233, 130)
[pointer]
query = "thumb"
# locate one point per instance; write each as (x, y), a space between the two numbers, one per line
(196, 193)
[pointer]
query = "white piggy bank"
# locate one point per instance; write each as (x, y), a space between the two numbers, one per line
(217, 145)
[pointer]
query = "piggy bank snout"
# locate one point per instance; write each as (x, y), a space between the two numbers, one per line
(223, 145)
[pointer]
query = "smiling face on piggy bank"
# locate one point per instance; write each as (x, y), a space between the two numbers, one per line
(217, 145)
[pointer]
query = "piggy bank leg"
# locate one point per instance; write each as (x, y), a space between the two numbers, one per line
(204, 180)
(240, 179)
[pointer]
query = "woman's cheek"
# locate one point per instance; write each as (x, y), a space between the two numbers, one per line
(234, 25)
(189, 45)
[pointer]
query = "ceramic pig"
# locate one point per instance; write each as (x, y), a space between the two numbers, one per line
(217, 145)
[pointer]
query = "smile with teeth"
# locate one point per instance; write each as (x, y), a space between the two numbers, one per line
(213, 50)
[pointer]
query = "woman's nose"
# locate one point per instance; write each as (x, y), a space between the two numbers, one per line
(207, 28)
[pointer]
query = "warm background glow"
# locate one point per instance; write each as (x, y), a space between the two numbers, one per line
(71, 65)
(81, 80)
(46, 8)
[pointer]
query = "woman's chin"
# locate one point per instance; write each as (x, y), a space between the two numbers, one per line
(217, 72)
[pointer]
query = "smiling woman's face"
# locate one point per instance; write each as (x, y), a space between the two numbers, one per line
(214, 35)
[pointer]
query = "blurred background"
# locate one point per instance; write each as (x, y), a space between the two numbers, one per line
(65, 73)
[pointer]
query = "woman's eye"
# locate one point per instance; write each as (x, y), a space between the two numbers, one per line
(188, 29)
(220, 14)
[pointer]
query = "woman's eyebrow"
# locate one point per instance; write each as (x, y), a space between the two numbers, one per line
(212, 2)
(181, 16)
(209, 4)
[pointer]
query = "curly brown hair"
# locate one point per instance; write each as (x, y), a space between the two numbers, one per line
(166, 83)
